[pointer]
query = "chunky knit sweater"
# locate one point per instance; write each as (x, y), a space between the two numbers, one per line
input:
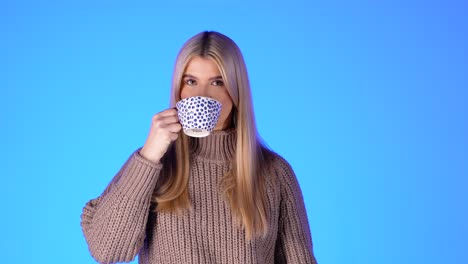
(119, 225)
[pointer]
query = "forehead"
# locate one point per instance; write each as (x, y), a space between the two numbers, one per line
(201, 67)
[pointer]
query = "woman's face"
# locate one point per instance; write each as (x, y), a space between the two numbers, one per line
(202, 78)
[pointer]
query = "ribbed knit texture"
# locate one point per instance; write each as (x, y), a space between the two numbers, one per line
(118, 225)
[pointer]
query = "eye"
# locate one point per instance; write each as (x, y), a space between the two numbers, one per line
(217, 83)
(190, 82)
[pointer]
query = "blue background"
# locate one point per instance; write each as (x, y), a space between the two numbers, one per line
(366, 99)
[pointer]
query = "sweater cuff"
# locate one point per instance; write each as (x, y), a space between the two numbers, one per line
(139, 177)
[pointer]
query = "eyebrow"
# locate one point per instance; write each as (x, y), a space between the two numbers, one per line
(212, 78)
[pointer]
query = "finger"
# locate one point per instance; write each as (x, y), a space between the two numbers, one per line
(167, 120)
(173, 136)
(168, 112)
(174, 128)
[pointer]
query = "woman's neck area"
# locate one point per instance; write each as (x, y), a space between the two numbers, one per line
(220, 145)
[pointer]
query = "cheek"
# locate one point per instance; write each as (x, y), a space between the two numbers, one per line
(227, 106)
(184, 93)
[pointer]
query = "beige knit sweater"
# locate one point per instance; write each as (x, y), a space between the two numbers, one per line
(118, 225)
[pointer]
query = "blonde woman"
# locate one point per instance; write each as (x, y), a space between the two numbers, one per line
(224, 198)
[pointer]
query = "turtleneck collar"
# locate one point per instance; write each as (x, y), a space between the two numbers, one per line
(218, 146)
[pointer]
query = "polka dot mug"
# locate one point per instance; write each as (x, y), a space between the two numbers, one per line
(198, 115)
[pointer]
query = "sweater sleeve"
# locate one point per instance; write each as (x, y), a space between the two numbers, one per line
(114, 224)
(294, 243)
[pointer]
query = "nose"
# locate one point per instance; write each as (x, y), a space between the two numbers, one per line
(205, 90)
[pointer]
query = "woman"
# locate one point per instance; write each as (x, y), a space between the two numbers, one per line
(224, 198)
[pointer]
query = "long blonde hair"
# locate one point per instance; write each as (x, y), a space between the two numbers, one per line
(243, 186)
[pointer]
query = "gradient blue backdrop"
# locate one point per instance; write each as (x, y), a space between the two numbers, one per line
(366, 99)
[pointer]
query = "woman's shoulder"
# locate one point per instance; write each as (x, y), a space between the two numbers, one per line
(276, 164)
(282, 175)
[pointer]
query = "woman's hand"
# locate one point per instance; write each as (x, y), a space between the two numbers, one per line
(164, 130)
